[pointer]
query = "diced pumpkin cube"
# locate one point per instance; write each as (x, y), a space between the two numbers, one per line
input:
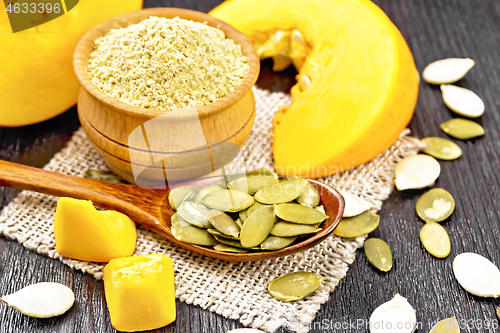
(140, 292)
(84, 233)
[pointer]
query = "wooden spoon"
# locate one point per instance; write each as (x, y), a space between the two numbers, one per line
(150, 207)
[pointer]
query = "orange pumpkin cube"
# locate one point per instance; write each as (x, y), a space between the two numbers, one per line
(140, 292)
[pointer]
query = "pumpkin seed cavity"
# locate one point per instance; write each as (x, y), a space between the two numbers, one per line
(435, 239)
(378, 254)
(358, 225)
(395, 313)
(449, 325)
(294, 286)
(435, 205)
(462, 129)
(477, 275)
(415, 172)
(462, 101)
(447, 70)
(441, 148)
(354, 205)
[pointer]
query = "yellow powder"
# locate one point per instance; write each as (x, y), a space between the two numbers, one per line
(167, 64)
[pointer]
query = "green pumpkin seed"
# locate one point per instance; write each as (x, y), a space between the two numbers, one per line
(204, 191)
(177, 195)
(276, 243)
(228, 200)
(296, 213)
(309, 196)
(294, 286)
(357, 226)
(251, 184)
(435, 205)
(195, 213)
(243, 215)
(289, 229)
(176, 219)
(257, 227)
(449, 325)
(239, 223)
(230, 242)
(435, 239)
(193, 235)
(227, 248)
(441, 148)
(462, 129)
(282, 192)
(103, 176)
(378, 254)
(229, 178)
(191, 196)
(224, 223)
(216, 232)
(256, 205)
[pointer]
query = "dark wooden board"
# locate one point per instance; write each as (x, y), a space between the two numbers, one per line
(433, 30)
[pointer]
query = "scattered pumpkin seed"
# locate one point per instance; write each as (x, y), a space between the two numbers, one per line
(395, 313)
(292, 212)
(195, 213)
(228, 248)
(477, 275)
(104, 176)
(378, 254)
(441, 148)
(354, 205)
(256, 205)
(462, 101)
(251, 184)
(177, 195)
(289, 229)
(243, 215)
(230, 242)
(41, 300)
(417, 171)
(449, 325)
(358, 225)
(294, 286)
(224, 223)
(204, 191)
(447, 70)
(435, 239)
(309, 196)
(276, 243)
(193, 235)
(284, 191)
(257, 226)
(435, 205)
(216, 232)
(228, 200)
(462, 129)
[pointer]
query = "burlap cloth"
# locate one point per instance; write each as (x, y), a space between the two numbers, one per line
(233, 290)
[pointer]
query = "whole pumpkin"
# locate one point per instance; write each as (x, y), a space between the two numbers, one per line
(36, 65)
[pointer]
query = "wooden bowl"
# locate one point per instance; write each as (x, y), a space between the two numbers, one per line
(228, 120)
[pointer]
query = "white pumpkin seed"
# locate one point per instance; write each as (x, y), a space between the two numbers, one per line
(396, 313)
(462, 101)
(448, 325)
(288, 229)
(309, 196)
(194, 213)
(358, 225)
(228, 200)
(294, 286)
(257, 226)
(224, 223)
(477, 275)
(193, 235)
(447, 70)
(435, 239)
(415, 172)
(204, 191)
(284, 191)
(41, 300)
(441, 148)
(276, 243)
(292, 212)
(354, 205)
(435, 205)
(177, 195)
(462, 129)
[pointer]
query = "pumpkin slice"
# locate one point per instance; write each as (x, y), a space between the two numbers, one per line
(356, 90)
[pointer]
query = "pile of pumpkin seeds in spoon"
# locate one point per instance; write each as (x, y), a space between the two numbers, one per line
(246, 212)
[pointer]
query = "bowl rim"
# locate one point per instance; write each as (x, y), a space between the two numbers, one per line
(85, 45)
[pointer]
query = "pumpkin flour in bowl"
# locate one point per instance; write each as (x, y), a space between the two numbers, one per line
(167, 64)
